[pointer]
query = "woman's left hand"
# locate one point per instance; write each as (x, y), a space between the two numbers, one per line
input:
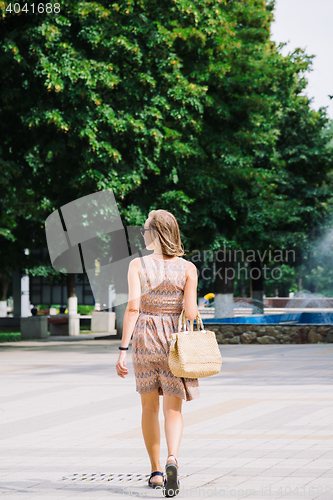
(121, 365)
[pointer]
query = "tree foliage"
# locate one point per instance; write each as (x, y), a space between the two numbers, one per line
(187, 106)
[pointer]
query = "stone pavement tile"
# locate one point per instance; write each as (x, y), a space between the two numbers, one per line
(325, 444)
(79, 430)
(5, 473)
(321, 483)
(271, 445)
(31, 493)
(260, 496)
(19, 483)
(280, 454)
(247, 444)
(59, 495)
(230, 454)
(247, 472)
(218, 470)
(312, 468)
(328, 473)
(321, 462)
(314, 473)
(94, 495)
(47, 476)
(288, 487)
(277, 472)
(259, 488)
(289, 482)
(299, 446)
(311, 454)
(28, 480)
(265, 462)
(296, 463)
(31, 496)
(201, 479)
(240, 490)
(87, 489)
(214, 446)
(226, 481)
(196, 461)
(208, 461)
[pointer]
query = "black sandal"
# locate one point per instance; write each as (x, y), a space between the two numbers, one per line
(171, 483)
(155, 485)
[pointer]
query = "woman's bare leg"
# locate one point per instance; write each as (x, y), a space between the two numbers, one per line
(151, 431)
(173, 424)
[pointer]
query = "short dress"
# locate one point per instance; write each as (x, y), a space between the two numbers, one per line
(162, 300)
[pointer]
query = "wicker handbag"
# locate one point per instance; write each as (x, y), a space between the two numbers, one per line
(194, 354)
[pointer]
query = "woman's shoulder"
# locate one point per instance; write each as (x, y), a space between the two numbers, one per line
(190, 268)
(136, 264)
(188, 262)
(136, 261)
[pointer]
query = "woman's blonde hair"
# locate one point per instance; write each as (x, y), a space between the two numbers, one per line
(166, 226)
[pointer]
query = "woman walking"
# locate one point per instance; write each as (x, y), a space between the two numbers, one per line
(160, 286)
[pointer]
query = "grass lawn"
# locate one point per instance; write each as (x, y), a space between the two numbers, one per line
(9, 336)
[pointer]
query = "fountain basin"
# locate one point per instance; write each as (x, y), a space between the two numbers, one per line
(304, 318)
(293, 328)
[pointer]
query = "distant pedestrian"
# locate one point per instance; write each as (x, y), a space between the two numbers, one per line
(207, 299)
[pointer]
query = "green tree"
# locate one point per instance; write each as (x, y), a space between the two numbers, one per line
(186, 106)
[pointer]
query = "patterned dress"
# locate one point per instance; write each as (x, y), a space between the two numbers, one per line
(162, 300)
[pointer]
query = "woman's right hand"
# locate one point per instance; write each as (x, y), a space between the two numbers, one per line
(121, 365)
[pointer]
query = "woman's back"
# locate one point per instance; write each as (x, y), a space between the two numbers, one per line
(162, 285)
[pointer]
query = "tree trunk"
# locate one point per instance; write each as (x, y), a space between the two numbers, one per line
(17, 293)
(257, 287)
(299, 283)
(284, 290)
(71, 294)
(242, 294)
(224, 284)
(4, 284)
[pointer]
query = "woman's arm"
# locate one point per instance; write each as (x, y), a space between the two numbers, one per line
(131, 312)
(134, 294)
(190, 291)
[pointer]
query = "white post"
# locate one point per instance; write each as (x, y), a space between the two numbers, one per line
(3, 308)
(73, 317)
(112, 297)
(25, 302)
(25, 298)
(72, 305)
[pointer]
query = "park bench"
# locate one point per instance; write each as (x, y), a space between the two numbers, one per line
(58, 324)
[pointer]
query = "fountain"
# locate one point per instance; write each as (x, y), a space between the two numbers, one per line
(319, 310)
(304, 317)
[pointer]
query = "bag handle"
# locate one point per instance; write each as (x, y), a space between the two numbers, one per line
(199, 322)
(182, 322)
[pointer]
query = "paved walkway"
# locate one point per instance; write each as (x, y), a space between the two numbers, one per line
(70, 427)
